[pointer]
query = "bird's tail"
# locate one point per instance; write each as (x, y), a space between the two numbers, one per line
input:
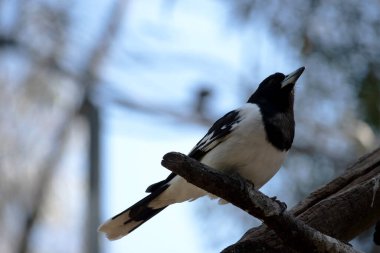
(133, 217)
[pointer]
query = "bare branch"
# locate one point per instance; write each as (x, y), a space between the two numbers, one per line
(47, 172)
(242, 194)
(88, 79)
(349, 197)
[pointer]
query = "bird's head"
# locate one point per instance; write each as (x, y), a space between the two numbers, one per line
(277, 90)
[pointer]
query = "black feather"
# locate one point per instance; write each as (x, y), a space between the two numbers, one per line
(276, 107)
(140, 211)
(279, 127)
(160, 184)
(220, 129)
(215, 135)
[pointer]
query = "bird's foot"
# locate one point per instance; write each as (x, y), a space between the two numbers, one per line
(283, 205)
(236, 176)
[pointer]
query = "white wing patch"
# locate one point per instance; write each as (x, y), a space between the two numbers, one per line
(217, 134)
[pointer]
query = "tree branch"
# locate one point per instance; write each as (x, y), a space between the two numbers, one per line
(350, 197)
(242, 194)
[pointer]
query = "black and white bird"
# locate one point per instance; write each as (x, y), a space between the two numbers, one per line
(252, 140)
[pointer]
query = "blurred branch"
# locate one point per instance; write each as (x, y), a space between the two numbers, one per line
(92, 115)
(102, 49)
(162, 110)
(47, 172)
(241, 193)
(202, 102)
(89, 79)
(6, 41)
(350, 197)
(57, 143)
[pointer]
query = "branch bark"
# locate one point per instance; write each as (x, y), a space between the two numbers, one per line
(241, 193)
(343, 208)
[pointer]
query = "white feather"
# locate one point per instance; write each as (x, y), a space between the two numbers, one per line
(115, 228)
(246, 151)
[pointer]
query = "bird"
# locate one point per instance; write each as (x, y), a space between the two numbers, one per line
(251, 141)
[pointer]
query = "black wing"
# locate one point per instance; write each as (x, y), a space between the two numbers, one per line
(221, 128)
(217, 133)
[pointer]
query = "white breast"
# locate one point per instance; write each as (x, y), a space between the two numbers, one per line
(247, 151)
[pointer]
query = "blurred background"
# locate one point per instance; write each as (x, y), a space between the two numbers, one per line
(94, 93)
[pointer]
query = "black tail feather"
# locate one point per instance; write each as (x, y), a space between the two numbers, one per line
(133, 217)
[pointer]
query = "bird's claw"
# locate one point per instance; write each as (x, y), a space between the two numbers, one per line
(283, 205)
